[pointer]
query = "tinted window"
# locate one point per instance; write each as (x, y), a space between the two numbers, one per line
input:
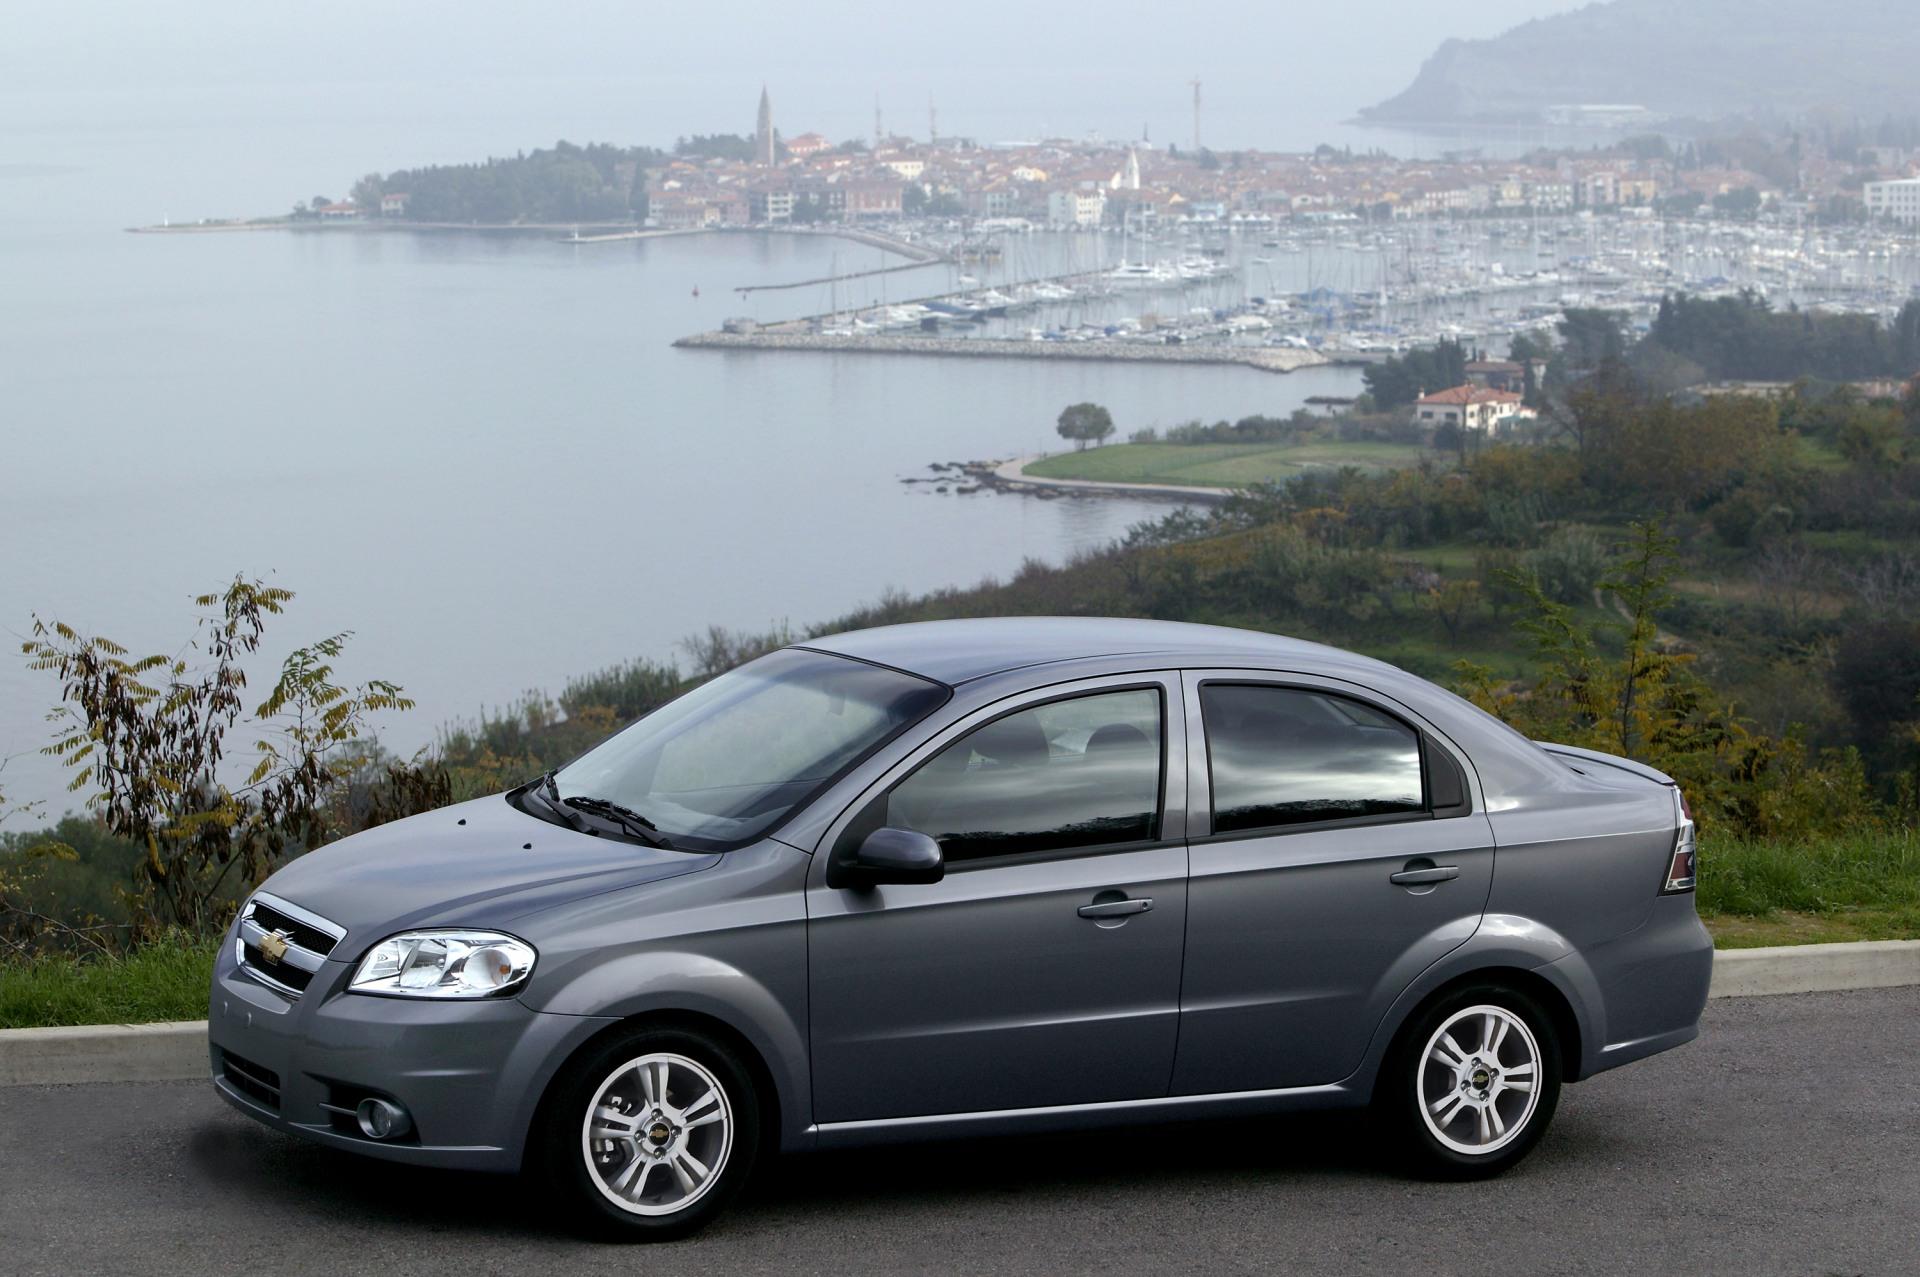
(1286, 756)
(729, 759)
(1074, 773)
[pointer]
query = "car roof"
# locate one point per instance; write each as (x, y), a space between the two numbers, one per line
(954, 652)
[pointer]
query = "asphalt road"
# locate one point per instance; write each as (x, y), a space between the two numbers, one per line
(1785, 1141)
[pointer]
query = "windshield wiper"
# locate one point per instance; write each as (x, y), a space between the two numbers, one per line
(549, 794)
(636, 825)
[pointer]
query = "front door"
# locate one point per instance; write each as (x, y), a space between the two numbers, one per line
(1044, 968)
(1337, 854)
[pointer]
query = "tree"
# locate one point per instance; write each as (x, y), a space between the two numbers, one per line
(719, 146)
(149, 737)
(1591, 336)
(1744, 202)
(1085, 423)
(1646, 703)
(366, 193)
(1397, 382)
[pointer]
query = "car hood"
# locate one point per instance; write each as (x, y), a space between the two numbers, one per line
(476, 864)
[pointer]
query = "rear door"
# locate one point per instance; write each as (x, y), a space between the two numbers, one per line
(1044, 968)
(1336, 853)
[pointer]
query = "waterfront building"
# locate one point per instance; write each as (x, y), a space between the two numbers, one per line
(393, 204)
(824, 198)
(873, 199)
(770, 202)
(763, 134)
(1470, 407)
(1897, 200)
(339, 211)
(1076, 208)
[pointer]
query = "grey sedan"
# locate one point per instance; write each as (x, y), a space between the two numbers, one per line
(968, 878)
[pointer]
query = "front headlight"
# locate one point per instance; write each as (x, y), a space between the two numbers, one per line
(444, 964)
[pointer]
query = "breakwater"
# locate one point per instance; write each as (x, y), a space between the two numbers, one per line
(1264, 358)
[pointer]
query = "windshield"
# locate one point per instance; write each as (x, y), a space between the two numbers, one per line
(726, 762)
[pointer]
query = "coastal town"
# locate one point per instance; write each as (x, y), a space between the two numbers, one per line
(1174, 252)
(771, 178)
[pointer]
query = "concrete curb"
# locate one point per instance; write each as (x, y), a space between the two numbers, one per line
(1815, 968)
(104, 1053)
(178, 1050)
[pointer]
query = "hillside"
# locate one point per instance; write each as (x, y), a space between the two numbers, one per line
(1704, 58)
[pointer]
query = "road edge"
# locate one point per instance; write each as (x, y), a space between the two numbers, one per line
(1815, 968)
(177, 1050)
(165, 1052)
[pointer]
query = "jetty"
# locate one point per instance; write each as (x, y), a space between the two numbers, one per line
(1263, 358)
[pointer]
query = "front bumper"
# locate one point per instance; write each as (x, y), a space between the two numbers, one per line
(469, 1073)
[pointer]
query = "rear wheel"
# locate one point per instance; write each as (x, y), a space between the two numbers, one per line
(1473, 1084)
(649, 1136)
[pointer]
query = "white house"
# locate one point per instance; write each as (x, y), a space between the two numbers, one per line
(1471, 407)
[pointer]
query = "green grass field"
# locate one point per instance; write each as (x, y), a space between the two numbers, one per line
(1218, 465)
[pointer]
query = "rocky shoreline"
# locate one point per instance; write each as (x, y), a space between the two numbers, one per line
(965, 478)
(1263, 358)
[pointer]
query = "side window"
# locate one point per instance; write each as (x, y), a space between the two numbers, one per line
(1083, 772)
(1289, 756)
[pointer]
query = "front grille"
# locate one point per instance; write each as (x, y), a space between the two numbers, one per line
(282, 945)
(257, 1083)
(281, 975)
(305, 934)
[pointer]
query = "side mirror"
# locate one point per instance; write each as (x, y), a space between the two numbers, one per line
(889, 855)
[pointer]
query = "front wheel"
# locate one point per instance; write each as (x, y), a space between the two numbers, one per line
(1473, 1084)
(649, 1136)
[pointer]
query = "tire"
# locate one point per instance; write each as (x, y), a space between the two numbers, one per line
(665, 1161)
(1481, 1115)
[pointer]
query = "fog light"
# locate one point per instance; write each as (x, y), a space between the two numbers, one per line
(382, 1119)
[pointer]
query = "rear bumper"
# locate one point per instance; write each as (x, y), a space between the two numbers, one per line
(470, 1074)
(1650, 987)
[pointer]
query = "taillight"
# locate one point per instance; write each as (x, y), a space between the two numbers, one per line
(1680, 867)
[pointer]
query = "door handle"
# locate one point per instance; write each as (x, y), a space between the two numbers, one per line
(1421, 877)
(1116, 908)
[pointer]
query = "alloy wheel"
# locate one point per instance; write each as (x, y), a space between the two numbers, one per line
(657, 1134)
(1479, 1078)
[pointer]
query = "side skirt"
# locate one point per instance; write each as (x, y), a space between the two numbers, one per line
(1076, 1117)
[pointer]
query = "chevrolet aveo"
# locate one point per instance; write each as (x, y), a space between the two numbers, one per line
(975, 877)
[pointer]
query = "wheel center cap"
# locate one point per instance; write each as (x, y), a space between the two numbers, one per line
(1482, 1079)
(659, 1133)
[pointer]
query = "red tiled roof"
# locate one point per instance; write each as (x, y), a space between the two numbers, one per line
(1469, 394)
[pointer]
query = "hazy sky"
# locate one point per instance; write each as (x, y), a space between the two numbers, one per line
(628, 72)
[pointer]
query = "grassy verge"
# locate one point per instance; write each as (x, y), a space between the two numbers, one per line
(1217, 465)
(1854, 887)
(159, 982)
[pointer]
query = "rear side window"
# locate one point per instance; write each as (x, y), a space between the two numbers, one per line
(1292, 756)
(1069, 774)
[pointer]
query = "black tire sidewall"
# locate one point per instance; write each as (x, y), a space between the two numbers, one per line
(569, 1181)
(1398, 1099)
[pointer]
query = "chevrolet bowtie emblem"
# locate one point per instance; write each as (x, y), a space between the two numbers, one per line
(273, 947)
